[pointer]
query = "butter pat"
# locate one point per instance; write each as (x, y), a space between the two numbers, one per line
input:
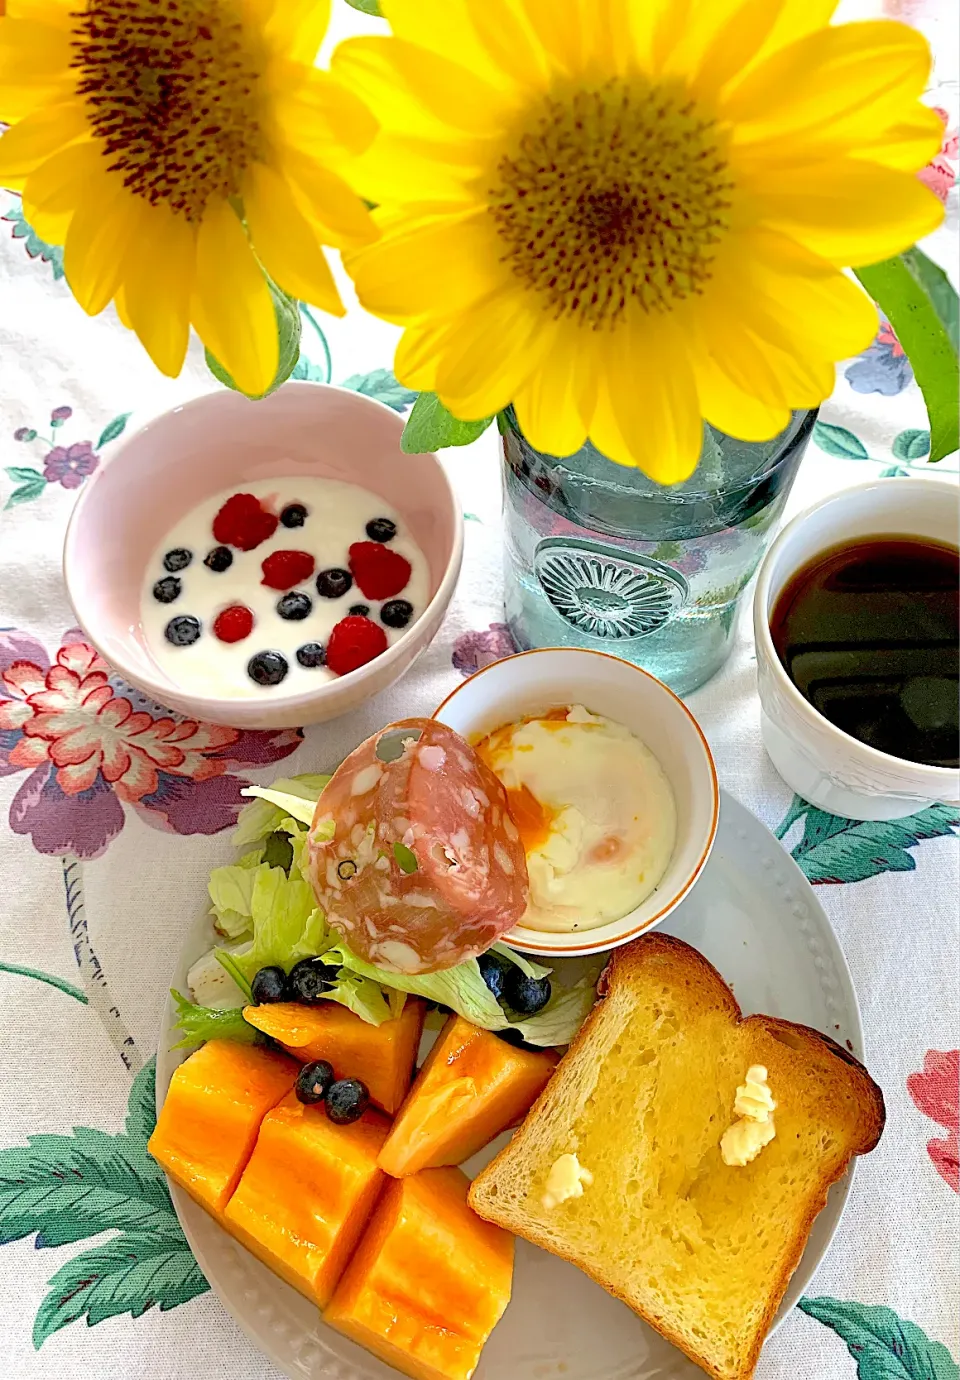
(754, 1105)
(567, 1179)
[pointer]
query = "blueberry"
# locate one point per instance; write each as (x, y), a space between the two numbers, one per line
(294, 606)
(311, 654)
(491, 970)
(513, 1037)
(359, 610)
(267, 668)
(347, 1100)
(269, 984)
(331, 584)
(278, 851)
(309, 980)
(381, 529)
(177, 559)
(314, 1082)
(396, 613)
(182, 631)
(167, 589)
(526, 995)
(293, 515)
(219, 559)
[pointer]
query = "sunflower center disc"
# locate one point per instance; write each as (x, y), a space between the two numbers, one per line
(170, 89)
(613, 195)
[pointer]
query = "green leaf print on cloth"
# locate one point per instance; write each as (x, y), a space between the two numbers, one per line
(838, 441)
(884, 1346)
(37, 248)
(835, 849)
(66, 1188)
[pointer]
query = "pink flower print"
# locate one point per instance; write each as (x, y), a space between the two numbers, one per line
(61, 414)
(474, 650)
(70, 465)
(939, 175)
(936, 1093)
(88, 749)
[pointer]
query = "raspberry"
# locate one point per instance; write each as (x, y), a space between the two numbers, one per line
(379, 572)
(284, 569)
(353, 642)
(243, 522)
(233, 624)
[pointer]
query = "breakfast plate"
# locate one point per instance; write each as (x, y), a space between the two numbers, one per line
(755, 917)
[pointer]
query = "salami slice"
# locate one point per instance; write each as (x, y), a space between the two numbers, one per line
(413, 853)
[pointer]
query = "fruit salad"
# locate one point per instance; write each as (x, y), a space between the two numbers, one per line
(286, 582)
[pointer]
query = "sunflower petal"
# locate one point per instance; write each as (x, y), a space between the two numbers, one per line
(328, 202)
(777, 374)
(34, 64)
(231, 307)
(730, 409)
(319, 112)
(157, 284)
(443, 27)
(284, 242)
(849, 211)
(105, 224)
(40, 135)
(795, 19)
(402, 167)
(547, 405)
(907, 145)
(507, 37)
(297, 27)
(53, 191)
(559, 28)
(489, 354)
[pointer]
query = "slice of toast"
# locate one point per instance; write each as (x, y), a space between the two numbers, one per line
(702, 1250)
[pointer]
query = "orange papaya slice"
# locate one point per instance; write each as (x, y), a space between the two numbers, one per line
(209, 1120)
(429, 1281)
(471, 1087)
(305, 1196)
(381, 1056)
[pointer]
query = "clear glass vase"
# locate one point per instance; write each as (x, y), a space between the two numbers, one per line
(598, 555)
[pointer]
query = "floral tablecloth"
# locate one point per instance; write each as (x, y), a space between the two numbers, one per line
(107, 836)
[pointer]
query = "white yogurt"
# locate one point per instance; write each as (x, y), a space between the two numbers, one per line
(337, 514)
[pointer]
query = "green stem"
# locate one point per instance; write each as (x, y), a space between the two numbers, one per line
(60, 983)
(323, 340)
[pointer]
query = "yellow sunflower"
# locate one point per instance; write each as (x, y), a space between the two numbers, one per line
(626, 216)
(177, 149)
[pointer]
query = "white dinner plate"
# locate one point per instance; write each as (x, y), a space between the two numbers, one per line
(755, 916)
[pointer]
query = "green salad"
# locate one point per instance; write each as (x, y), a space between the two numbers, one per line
(266, 911)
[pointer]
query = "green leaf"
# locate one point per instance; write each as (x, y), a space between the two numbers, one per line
(113, 429)
(383, 385)
(28, 436)
(26, 492)
(306, 369)
(912, 444)
(406, 858)
(261, 817)
(49, 978)
(893, 472)
(431, 427)
(202, 1023)
(142, 1104)
(921, 306)
(229, 965)
(23, 474)
(289, 803)
(837, 440)
(287, 313)
(884, 1346)
(57, 422)
(37, 248)
(129, 1274)
(835, 849)
(366, 6)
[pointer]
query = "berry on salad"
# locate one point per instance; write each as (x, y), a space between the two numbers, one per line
(182, 631)
(177, 559)
(294, 606)
(380, 572)
(244, 522)
(381, 529)
(311, 655)
(233, 624)
(396, 613)
(267, 668)
(492, 972)
(284, 569)
(314, 1082)
(524, 994)
(219, 559)
(333, 583)
(269, 984)
(309, 980)
(346, 1101)
(359, 610)
(167, 589)
(353, 642)
(293, 515)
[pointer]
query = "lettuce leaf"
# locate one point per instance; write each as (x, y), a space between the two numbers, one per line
(364, 997)
(526, 965)
(561, 1018)
(287, 923)
(283, 802)
(202, 1023)
(263, 815)
(230, 965)
(231, 889)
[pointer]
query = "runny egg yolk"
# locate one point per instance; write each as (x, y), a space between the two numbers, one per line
(531, 816)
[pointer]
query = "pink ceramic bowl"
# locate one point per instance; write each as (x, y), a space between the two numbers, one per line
(224, 440)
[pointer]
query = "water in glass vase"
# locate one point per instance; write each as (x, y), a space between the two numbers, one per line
(598, 555)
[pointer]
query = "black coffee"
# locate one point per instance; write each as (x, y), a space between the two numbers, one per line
(868, 633)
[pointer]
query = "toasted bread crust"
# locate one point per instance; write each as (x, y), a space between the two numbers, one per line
(689, 966)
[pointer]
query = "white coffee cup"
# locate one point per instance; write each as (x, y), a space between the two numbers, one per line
(826, 766)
